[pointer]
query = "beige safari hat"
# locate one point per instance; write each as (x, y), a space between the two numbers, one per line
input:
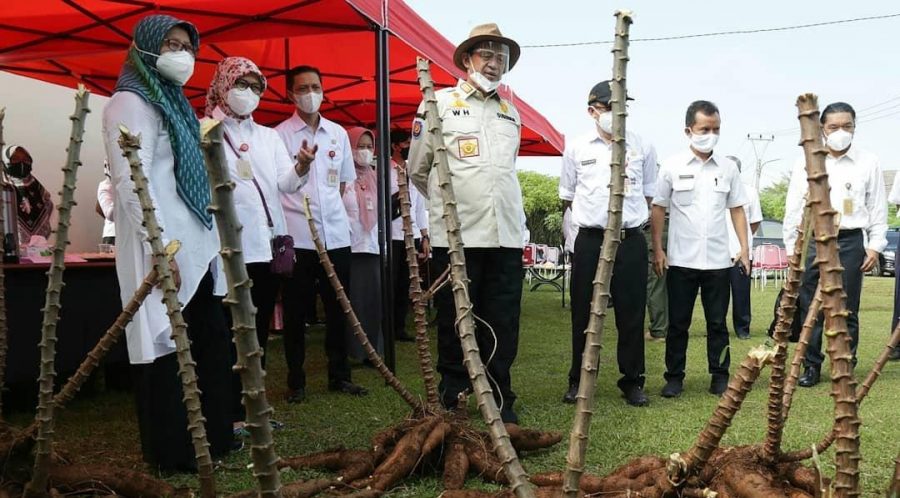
(481, 33)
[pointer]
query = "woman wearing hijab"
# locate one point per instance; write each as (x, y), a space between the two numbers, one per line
(35, 203)
(257, 160)
(361, 201)
(149, 101)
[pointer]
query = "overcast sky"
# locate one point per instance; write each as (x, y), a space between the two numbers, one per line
(754, 78)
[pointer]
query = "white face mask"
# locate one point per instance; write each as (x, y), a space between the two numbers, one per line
(704, 143)
(176, 67)
(483, 82)
(309, 102)
(242, 102)
(604, 121)
(364, 156)
(839, 140)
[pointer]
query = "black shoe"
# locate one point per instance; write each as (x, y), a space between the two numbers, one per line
(718, 385)
(743, 336)
(347, 387)
(509, 417)
(810, 376)
(296, 395)
(569, 397)
(895, 354)
(635, 396)
(672, 389)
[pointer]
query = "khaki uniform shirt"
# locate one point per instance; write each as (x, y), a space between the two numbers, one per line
(481, 135)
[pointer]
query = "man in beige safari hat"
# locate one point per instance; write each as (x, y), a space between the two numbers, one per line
(481, 132)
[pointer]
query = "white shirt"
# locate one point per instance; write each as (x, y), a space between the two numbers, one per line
(149, 331)
(570, 231)
(894, 196)
(360, 241)
(586, 177)
(269, 162)
(418, 211)
(753, 211)
(857, 194)
(481, 135)
(332, 166)
(699, 195)
(106, 198)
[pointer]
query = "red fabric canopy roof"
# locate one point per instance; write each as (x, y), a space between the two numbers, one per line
(71, 41)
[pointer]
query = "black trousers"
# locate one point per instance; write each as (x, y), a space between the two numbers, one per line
(852, 253)
(401, 287)
(896, 293)
(682, 285)
(629, 285)
(495, 289)
(263, 292)
(740, 300)
(294, 290)
(162, 417)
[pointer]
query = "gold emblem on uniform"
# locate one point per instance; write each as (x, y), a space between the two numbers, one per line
(467, 88)
(503, 107)
(468, 147)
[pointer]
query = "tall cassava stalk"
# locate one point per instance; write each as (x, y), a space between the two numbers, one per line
(347, 308)
(786, 311)
(790, 384)
(680, 468)
(37, 486)
(861, 394)
(590, 359)
(418, 298)
(130, 144)
(846, 482)
(4, 342)
(243, 313)
(459, 284)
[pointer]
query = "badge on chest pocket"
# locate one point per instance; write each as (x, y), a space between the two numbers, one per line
(468, 147)
(683, 190)
(244, 169)
(332, 177)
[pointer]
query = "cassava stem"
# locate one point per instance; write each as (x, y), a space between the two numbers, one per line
(584, 400)
(846, 482)
(358, 331)
(861, 394)
(786, 311)
(243, 313)
(894, 489)
(418, 298)
(459, 285)
(37, 486)
(680, 468)
(790, 384)
(130, 144)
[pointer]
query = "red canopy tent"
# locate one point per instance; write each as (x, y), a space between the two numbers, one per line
(70, 41)
(366, 50)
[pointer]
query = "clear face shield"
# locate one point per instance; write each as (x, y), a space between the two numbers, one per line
(488, 62)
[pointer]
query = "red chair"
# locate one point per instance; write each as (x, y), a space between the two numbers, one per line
(769, 258)
(528, 253)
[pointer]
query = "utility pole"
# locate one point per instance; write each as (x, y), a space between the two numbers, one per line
(760, 143)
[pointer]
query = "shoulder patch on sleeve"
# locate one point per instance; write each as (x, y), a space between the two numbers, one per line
(417, 128)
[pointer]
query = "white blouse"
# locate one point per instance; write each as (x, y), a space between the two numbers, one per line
(268, 161)
(149, 331)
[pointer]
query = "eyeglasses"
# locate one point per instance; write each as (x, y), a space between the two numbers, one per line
(486, 54)
(242, 84)
(177, 46)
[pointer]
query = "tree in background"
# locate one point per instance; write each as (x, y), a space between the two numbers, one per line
(543, 208)
(772, 199)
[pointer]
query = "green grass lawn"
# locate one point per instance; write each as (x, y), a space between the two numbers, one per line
(102, 428)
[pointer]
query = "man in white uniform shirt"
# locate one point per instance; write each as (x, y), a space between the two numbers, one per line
(700, 189)
(740, 280)
(481, 132)
(324, 166)
(399, 155)
(857, 193)
(584, 184)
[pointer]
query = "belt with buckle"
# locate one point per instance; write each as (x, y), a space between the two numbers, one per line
(623, 233)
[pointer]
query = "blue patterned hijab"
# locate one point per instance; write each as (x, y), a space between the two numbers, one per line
(139, 76)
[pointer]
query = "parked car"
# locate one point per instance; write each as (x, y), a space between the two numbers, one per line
(886, 260)
(769, 232)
